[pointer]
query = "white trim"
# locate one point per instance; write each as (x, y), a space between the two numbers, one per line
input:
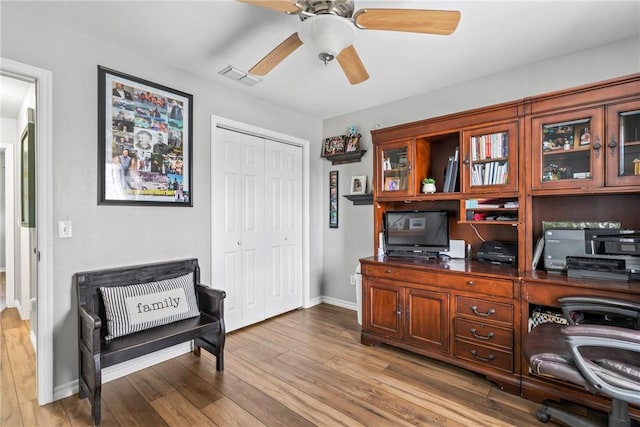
(339, 303)
(44, 185)
(217, 121)
(120, 370)
(10, 222)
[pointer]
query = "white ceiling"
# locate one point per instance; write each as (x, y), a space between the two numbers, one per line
(203, 37)
(12, 94)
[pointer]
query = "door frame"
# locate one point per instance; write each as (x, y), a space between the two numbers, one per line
(233, 125)
(44, 220)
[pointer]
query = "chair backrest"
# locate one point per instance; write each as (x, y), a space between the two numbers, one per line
(88, 283)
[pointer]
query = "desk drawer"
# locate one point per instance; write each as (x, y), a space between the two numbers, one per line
(484, 285)
(483, 310)
(486, 356)
(483, 333)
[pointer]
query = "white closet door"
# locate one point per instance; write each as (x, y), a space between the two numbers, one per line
(283, 227)
(238, 226)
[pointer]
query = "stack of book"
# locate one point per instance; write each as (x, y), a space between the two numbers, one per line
(451, 175)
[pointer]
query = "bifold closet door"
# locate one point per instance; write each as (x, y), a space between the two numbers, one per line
(238, 226)
(283, 227)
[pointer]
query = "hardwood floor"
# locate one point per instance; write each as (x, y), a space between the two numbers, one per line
(303, 368)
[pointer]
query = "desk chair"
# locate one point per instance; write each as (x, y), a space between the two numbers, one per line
(603, 358)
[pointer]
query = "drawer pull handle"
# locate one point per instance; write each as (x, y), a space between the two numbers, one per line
(477, 313)
(387, 271)
(481, 337)
(470, 282)
(482, 359)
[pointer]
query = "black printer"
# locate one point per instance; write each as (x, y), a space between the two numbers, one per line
(498, 253)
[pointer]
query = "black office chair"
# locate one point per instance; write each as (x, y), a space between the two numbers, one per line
(603, 355)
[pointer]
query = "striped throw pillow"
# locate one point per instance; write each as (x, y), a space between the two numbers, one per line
(134, 308)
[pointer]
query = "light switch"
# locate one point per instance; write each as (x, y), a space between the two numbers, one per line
(64, 228)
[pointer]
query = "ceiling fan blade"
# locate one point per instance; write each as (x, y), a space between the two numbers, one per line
(352, 65)
(285, 6)
(277, 55)
(441, 22)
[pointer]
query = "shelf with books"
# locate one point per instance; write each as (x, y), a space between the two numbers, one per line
(490, 159)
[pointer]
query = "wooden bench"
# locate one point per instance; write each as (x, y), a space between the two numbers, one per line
(95, 352)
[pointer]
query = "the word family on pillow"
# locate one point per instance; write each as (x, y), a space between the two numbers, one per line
(134, 308)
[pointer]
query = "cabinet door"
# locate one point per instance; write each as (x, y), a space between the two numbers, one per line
(395, 177)
(427, 318)
(623, 144)
(384, 312)
(568, 150)
(490, 159)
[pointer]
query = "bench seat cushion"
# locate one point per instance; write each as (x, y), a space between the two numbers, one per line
(137, 307)
(150, 340)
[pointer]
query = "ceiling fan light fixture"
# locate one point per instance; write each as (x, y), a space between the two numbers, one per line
(327, 35)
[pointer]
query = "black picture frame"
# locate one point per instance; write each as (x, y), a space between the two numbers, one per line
(333, 199)
(154, 124)
(28, 176)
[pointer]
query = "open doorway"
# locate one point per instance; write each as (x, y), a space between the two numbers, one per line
(36, 300)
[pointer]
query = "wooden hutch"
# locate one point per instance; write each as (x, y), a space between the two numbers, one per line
(562, 156)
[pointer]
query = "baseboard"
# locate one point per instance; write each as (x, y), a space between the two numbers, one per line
(114, 372)
(315, 301)
(18, 306)
(34, 340)
(339, 303)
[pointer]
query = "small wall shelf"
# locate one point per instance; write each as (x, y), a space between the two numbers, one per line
(349, 157)
(361, 199)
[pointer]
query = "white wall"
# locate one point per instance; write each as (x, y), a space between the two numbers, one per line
(354, 239)
(9, 139)
(3, 237)
(106, 236)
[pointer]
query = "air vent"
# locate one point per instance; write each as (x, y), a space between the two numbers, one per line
(239, 75)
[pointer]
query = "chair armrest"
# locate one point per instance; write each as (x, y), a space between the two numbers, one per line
(211, 301)
(603, 372)
(599, 305)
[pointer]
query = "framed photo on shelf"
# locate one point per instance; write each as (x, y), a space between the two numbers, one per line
(391, 184)
(333, 199)
(358, 184)
(145, 142)
(334, 145)
(582, 136)
(353, 143)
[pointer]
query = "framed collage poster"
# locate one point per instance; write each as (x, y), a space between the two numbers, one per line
(144, 142)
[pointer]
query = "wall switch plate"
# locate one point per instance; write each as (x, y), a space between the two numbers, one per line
(352, 279)
(64, 229)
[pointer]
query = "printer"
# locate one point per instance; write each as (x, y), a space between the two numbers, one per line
(612, 254)
(498, 253)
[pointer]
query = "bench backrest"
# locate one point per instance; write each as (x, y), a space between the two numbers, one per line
(88, 283)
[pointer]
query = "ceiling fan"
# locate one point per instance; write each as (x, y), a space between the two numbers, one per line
(329, 27)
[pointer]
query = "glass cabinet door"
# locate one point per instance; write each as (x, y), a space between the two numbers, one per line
(491, 159)
(395, 169)
(568, 150)
(623, 146)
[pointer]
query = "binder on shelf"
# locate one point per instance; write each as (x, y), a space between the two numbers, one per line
(451, 177)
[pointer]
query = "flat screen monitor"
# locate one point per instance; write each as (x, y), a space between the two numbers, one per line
(416, 233)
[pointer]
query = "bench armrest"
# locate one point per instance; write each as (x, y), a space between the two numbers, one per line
(211, 301)
(90, 325)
